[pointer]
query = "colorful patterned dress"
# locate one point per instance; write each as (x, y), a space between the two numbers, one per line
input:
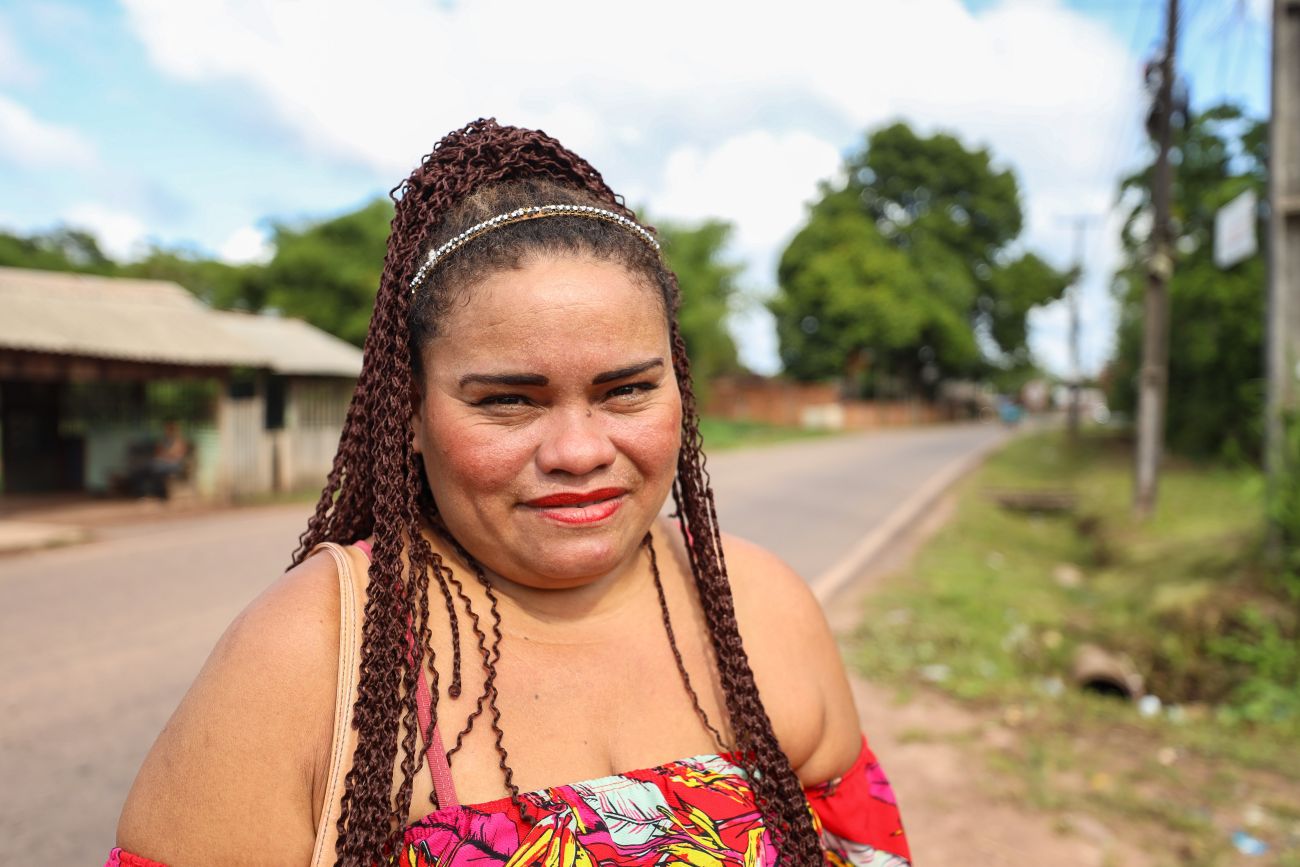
(698, 811)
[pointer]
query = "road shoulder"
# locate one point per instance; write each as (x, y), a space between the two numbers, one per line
(956, 806)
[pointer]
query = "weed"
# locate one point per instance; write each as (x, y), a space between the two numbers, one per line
(992, 610)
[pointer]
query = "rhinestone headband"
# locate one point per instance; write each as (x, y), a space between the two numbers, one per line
(518, 216)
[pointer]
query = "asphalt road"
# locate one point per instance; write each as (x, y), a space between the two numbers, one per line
(98, 642)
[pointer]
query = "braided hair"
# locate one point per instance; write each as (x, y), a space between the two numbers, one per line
(377, 487)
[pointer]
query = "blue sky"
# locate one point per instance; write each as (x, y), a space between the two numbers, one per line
(199, 123)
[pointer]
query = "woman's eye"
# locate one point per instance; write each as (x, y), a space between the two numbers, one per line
(502, 400)
(632, 389)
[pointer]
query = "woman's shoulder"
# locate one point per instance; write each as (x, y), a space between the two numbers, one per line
(238, 770)
(796, 661)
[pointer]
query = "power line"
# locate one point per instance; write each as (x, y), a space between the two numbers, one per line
(1125, 137)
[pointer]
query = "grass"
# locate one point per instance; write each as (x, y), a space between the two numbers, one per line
(720, 434)
(993, 609)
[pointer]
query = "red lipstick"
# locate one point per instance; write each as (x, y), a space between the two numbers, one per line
(579, 507)
(577, 498)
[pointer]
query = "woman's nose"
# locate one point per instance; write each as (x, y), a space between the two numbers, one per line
(576, 443)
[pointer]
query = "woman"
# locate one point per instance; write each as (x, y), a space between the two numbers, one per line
(523, 414)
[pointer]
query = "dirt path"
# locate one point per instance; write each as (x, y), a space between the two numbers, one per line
(957, 809)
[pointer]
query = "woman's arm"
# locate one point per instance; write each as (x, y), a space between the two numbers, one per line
(806, 692)
(237, 774)
(796, 663)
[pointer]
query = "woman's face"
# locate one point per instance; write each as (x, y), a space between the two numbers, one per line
(550, 420)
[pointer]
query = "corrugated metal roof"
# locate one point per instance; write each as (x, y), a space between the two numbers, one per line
(157, 321)
(293, 346)
(110, 317)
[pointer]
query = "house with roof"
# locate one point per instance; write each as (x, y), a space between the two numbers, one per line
(91, 369)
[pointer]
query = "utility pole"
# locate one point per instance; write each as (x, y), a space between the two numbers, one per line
(1080, 223)
(1283, 325)
(1154, 375)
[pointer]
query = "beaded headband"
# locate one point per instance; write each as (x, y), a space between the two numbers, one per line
(518, 215)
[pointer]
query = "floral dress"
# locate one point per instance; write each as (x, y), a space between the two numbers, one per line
(698, 811)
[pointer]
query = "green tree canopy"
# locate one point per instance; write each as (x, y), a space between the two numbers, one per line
(907, 267)
(218, 283)
(63, 249)
(709, 293)
(327, 272)
(1215, 396)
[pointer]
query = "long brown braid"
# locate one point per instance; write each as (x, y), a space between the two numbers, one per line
(377, 485)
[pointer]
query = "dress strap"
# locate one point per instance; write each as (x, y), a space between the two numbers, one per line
(443, 787)
(435, 752)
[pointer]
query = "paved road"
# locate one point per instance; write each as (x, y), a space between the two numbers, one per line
(98, 642)
(810, 501)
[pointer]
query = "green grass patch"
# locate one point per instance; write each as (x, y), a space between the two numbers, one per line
(994, 608)
(720, 434)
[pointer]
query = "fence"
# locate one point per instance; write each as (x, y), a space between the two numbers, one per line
(815, 405)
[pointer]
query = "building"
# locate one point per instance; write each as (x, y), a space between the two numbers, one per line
(284, 421)
(92, 367)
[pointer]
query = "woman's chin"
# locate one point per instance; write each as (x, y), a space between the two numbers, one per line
(575, 563)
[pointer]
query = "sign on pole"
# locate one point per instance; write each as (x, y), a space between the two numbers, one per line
(1234, 230)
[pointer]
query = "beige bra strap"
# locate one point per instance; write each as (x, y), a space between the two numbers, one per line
(345, 737)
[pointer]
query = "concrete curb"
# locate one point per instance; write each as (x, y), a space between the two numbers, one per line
(19, 536)
(831, 581)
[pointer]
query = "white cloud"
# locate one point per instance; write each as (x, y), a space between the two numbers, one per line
(246, 245)
(29, 142)
(694, 110)
(121, 235)
(758, 180)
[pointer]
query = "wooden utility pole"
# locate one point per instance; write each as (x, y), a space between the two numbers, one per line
(1080, 223)
(1283, 326)
(1153, 379)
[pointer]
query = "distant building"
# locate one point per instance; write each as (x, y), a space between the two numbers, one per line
(91, 368)
(1036, 395)
(285, 429)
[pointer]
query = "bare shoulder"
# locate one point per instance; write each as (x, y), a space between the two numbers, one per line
(232, 778)
(796, 662)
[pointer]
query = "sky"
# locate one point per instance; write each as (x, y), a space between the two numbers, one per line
(200, 124)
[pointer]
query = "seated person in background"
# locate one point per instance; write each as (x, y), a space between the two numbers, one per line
(169, 459)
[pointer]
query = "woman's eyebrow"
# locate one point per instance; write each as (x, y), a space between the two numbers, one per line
(537, 379)
(503, 379)
(630, 370)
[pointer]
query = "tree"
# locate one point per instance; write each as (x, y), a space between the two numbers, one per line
(906, 268)
(63, 249)
(709, 291)
(835, 270)
(1215, 396)
(326, 272)
(217, 283)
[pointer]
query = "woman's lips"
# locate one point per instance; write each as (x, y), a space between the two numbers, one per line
(580, 507)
